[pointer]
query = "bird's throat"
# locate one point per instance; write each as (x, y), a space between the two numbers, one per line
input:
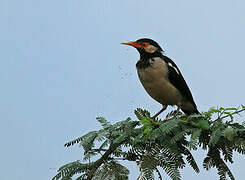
(143, 63)
(145, 59)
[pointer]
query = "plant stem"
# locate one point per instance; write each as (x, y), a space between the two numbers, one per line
(103, 158)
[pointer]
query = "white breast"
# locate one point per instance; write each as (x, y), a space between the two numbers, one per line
(155, 81)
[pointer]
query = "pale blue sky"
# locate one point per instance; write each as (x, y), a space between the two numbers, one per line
(61, 65)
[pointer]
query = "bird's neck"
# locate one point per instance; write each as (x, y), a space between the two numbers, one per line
(144, 61)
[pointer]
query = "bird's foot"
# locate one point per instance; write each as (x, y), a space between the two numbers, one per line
(177, 113)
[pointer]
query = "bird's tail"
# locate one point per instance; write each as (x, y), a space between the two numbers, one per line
(189, 111)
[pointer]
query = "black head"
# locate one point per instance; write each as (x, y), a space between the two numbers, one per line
(151, 42)
(146, 47)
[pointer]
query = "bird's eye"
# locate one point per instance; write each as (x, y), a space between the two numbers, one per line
(144, 44)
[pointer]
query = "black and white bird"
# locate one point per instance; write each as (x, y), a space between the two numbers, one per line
(161, 77)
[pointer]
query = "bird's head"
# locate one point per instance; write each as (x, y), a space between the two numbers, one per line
(146, 47)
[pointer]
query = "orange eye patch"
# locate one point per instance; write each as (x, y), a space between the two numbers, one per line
(145, 44)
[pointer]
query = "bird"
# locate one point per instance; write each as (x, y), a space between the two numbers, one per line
(161, 78)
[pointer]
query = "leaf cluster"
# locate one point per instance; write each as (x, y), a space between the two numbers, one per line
(156, 145)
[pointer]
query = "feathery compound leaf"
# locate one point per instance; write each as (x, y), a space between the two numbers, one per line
(213, 159)
(88, 141)
(168, 127)
(192, 144)
(111, 170)
(75, 141)
(163, 158)
(171, 168)
(215, 136)
(239, 145)
(80, 139)
(158, 144)
(67, 171)
(202, 124)
(103, 122)
(143, 176)
(147, 165)
(230, 133)
(190, 159)
(179, 136)
(140, 113)
(227, 153)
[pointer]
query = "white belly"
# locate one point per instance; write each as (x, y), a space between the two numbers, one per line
(155, 81)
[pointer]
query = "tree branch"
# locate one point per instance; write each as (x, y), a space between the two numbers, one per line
(103, 158)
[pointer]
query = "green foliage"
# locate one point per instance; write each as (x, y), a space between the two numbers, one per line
(112, 170)
(158, 144)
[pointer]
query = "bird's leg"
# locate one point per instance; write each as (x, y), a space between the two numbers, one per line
(178, 109)
(177, 112)
(163, 108)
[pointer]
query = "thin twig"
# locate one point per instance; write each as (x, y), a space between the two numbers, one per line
(236, 112)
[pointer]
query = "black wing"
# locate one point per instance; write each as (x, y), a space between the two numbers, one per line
(176, 78)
